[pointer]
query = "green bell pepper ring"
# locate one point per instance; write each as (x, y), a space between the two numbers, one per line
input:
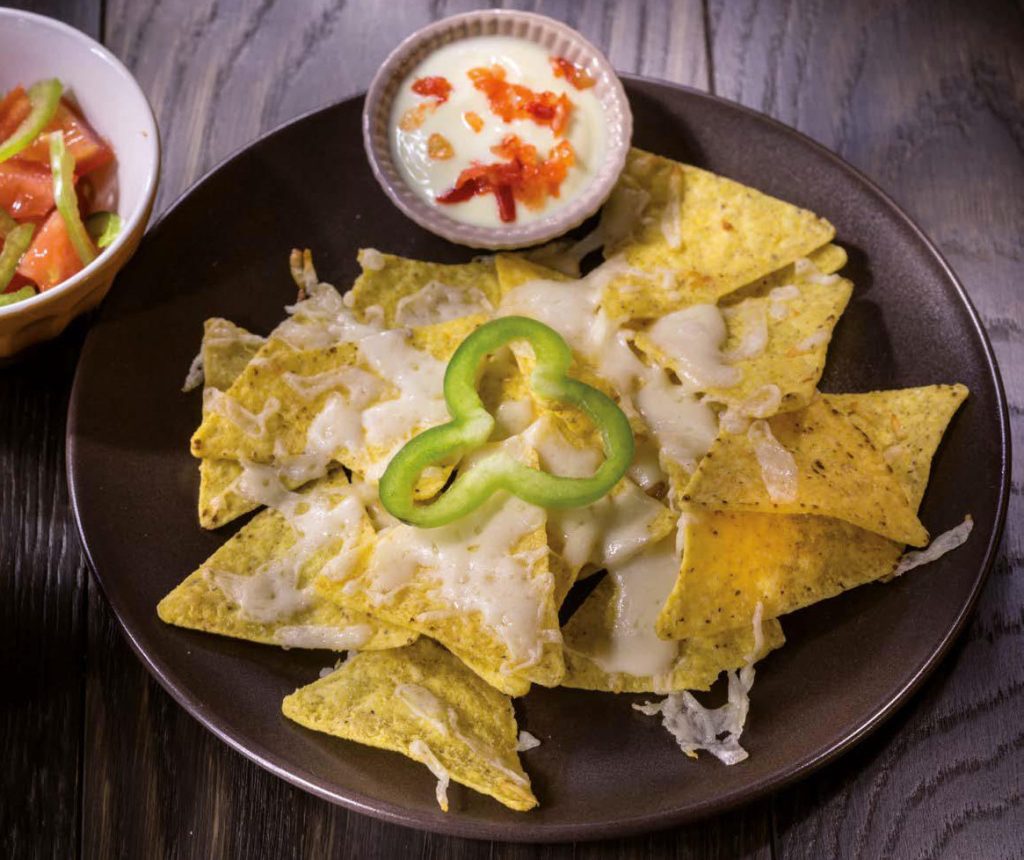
(62, 165)
(16, 244)
(44, 97)
(472, 425)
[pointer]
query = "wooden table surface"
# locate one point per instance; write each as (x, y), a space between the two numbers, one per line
(927, 98)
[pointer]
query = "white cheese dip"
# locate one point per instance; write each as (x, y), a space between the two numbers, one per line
(434, 137)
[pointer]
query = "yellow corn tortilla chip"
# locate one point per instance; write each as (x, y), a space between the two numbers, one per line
(798, 330)
(420, 701)
(481, 586)
(270, 414)
(414, 293)
(905, 425)
(698, 661)
(226, 350)
(816, 267)
(838, 474)
(257, 586)
(699, 237)
(733, 560)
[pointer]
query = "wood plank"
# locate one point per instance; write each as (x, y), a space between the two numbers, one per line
(928, 100)
(220, 74)
(42, 583)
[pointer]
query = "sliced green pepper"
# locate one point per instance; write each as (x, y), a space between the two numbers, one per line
(16, 296)
(472, 425)
(62, 164)
(15, 244)
(103, 228)
(7, 223)
(44, 97)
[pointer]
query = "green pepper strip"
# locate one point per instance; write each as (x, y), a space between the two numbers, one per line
(62, 165)
(103, 228)
(15, 245)
(472, 425)
(7, 223)
(44, 97)
(16, 296)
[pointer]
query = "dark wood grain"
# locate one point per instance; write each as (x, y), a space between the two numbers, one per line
(927, 99)
(42, 585)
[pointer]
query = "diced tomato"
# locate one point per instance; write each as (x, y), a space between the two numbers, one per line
(17, 282)
(84, 144)
(14, 107)
(525, 176)
(51, 258)
(26, 189)
(436, 87)
(514, 101)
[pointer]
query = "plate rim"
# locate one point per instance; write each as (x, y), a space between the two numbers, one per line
(528, 832)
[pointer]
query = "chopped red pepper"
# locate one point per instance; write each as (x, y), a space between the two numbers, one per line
(514, 101)
(437, 87)
(575, 74)
(523, 177)
(473, 120)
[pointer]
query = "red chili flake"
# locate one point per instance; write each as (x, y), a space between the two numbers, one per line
(437, 87)
(575, 74)
(473, 120)
(523, 177)
(514, 101)
(439, 147)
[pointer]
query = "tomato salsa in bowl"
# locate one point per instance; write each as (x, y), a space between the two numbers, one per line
(79, 160)
(497, 129)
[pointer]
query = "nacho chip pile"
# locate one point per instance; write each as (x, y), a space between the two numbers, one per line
(752, 494)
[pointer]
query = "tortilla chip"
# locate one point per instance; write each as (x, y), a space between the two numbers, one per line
(481, 586)
(699, 237)
(798, 334)
(611, 643)
(838, 474)
(269, 413)
(414, 293)
(257, 585)
(422, 702)
(815, 268)
(905, 425)
(733, 561)
(226, 350)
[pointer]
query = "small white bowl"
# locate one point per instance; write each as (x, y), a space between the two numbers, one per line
(34, 47)
(557, 39)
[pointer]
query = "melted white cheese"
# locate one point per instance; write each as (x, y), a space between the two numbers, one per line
(321, 636)
(642, 585)
(252, 424)
(419, 378)
(472, 566)
(778, 468)
(684, 426)
(692, 338)
(437, 303)
(779, 299)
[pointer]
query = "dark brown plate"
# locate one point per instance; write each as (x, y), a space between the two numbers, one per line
(603, 769)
